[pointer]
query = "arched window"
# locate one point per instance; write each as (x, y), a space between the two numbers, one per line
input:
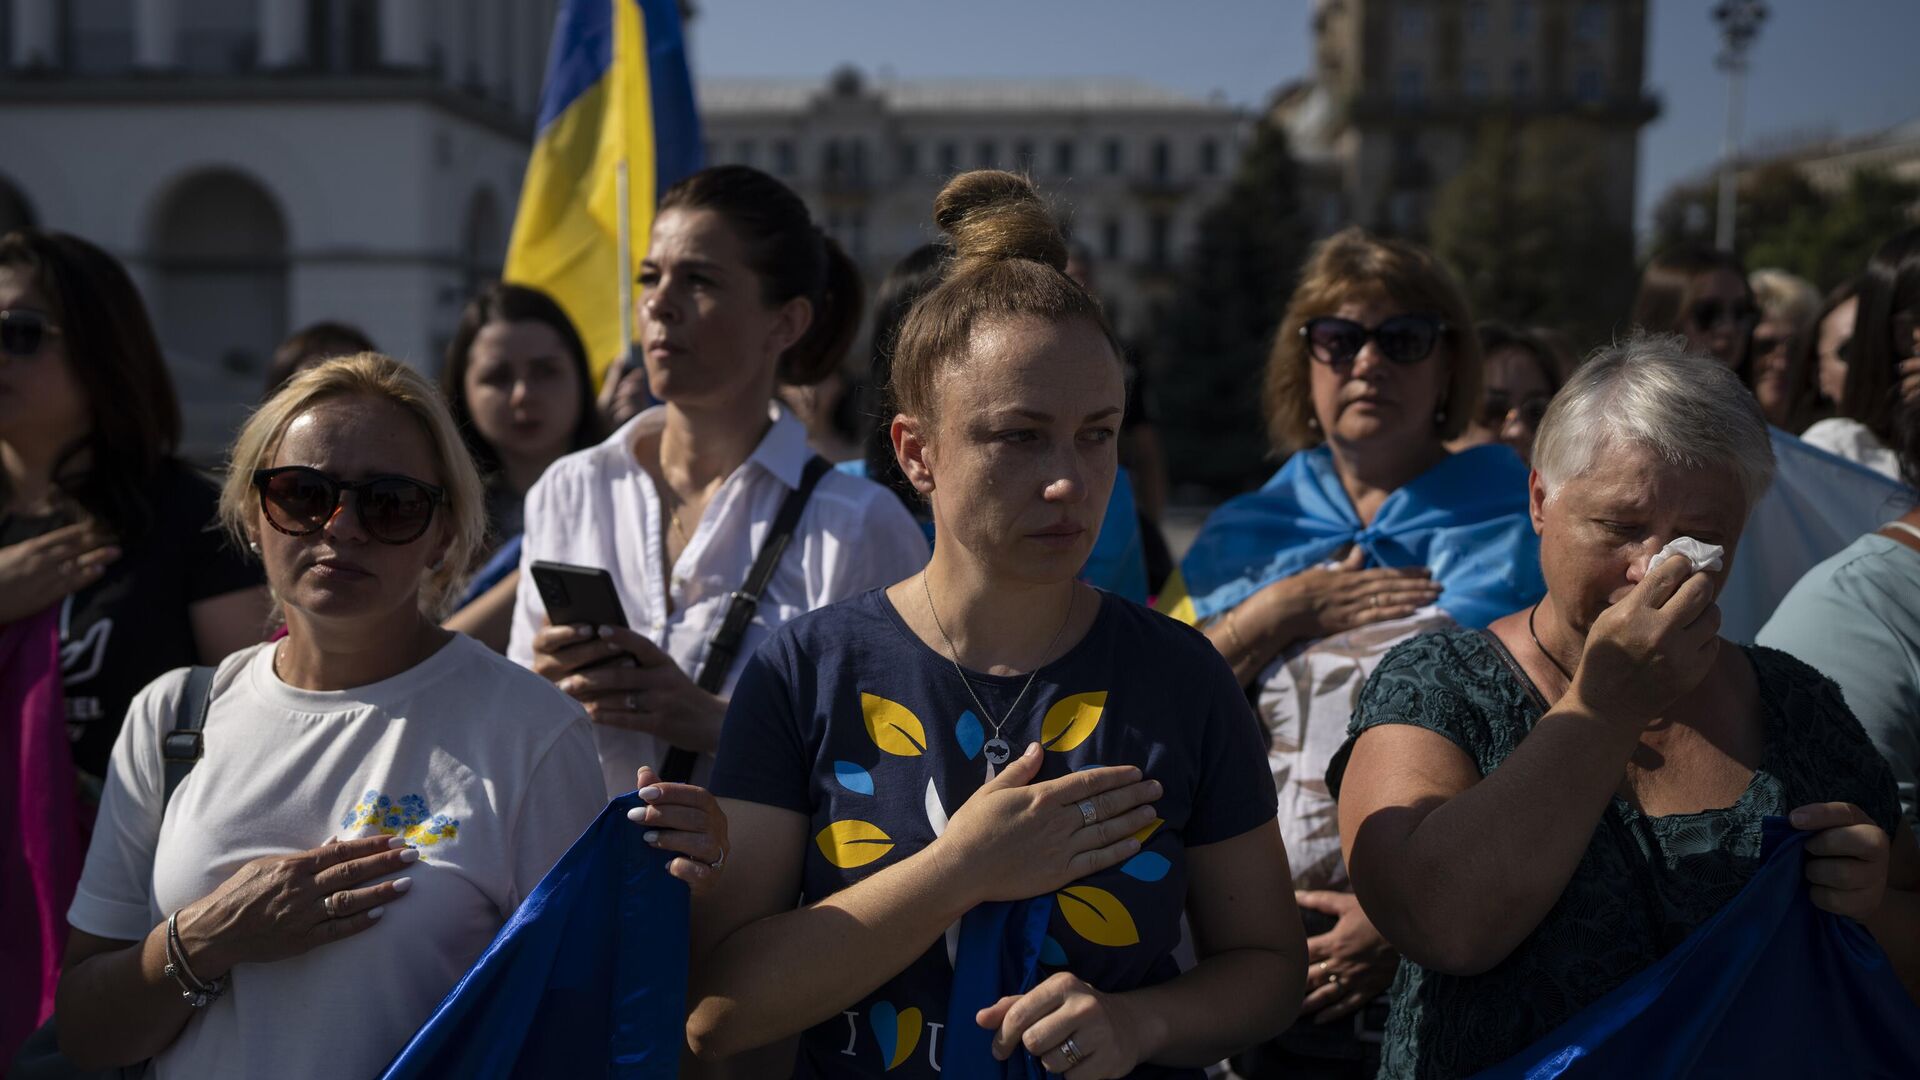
(483, 244)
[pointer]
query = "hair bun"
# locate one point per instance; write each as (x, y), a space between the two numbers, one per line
(990, 215)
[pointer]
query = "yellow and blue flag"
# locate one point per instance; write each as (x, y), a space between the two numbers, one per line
(617, 89)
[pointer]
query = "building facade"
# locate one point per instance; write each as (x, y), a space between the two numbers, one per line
(1128, 166)
(263, 164)
(1402, 90)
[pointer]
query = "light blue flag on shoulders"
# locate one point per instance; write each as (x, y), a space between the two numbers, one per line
(1465, 519)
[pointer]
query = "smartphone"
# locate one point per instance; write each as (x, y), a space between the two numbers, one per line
(578, 595)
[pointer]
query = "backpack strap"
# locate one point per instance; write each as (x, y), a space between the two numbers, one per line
(182, 747)
(731, 631)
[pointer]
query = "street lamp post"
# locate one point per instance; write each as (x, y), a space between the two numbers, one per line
(1739, 24)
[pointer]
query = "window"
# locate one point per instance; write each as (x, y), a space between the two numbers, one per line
(949, 158)
(1023, 156)
(1477, 18)
(986, 154)
(1115, 154)
(1110, 238)
(783, 157)
(1209, 157)
(743, 151)
(1159, 236)
(1407, 84)
(1522, 81)
(1522, 18)
(1413, 21)
(1590, 23)
(909, 159)
(1162, 160)
(1063, 157)
(1473, 80)
(857, 159)
(1589, 86)
(833, 160)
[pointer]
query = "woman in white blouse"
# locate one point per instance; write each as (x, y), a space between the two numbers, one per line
(742, 293)
(1880, 335)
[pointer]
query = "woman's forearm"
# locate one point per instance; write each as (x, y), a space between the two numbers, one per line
(1459, 886)
(120, 1007)
(885, 922)
(1227, 1002)
(1249, 635)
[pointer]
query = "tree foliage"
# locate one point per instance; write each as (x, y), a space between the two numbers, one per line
(1210, 342)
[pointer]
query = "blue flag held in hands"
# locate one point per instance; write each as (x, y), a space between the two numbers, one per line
(587, 979)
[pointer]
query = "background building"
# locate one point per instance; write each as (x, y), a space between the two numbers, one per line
(1129, 165)
(261, 164)
(1403, 89)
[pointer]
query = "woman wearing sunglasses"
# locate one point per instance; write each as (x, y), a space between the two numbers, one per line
(1702, 295)
(1371, 533)
(376, 794)
(1525, 368)
(742, 293)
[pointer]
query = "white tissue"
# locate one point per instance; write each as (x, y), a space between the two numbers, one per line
(1702, 556)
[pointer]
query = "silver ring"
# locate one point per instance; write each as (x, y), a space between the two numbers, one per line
(633, 701)
(326, 905)
(719, 862)
(1071, 1051)
(1089, 813)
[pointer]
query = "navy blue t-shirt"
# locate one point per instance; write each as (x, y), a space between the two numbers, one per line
(846, 716)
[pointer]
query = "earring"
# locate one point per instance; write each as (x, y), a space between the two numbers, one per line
(253, 546)
(1313, 423)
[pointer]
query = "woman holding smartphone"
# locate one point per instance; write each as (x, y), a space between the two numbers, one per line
(742, 293)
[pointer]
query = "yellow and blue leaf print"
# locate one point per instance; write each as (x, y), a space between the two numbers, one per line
(849, 843)
(970, 735)
(892, 726)
(1071, 720)
(408, 817)
(1149, 829)
(898, 1033)
(1051, 954)
(1098, 916)
(853, 777)
(1146, 866)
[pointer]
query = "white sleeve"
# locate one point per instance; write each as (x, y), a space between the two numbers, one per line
(529, 614)
(883, 546)
(564, 794)
(115, 896)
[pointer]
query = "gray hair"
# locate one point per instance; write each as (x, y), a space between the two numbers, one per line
(1650, 391)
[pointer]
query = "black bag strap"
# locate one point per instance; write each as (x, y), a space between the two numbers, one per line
(180, 750)
(727, 637)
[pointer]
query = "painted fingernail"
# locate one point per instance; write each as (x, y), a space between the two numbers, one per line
(397, 842)
(648, 793)
(412, 854)
(376, 913)
(403, 884)
(651, 836)
(571, 683)
(582, 630)
(606, 631)
(638, 813)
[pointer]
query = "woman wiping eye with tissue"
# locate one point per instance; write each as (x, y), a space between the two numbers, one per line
(1699, 553)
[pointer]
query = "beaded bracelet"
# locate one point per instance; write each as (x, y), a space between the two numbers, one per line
(192, 991)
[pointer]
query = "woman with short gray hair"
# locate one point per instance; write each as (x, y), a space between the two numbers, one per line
(1536, 812)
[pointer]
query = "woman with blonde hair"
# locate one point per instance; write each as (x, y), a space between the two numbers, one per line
(991, 730)
(370, 797)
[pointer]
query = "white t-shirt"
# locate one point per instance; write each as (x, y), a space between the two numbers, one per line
(598, 507)
(1856, 442)
(487, 768)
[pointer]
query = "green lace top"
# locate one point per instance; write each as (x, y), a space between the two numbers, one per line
(1644, 882)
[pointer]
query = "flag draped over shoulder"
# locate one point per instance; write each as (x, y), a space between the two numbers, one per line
(1769, 986)
(617, 90)
(588, 978)
(1465, 519)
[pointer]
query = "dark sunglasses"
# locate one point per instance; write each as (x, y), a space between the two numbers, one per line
(1403, 339)
(299, 501)
(23, 330)
(1708, 314)
(1497, 403)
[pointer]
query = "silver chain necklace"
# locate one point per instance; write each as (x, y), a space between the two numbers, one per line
(997, 750)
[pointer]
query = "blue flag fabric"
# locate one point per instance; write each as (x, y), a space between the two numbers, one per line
(1770, 986)
(587, 979)
(998, 954)
(1465, 519)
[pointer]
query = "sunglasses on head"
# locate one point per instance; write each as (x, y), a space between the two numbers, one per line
(22, 331)
(300, 501)
(1708, 314)
(1403, 339)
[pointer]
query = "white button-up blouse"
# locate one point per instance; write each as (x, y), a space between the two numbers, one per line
(598, 507)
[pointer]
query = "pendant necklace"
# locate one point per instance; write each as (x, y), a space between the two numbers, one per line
(998, 751)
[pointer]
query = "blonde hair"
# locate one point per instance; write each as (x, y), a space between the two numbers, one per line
(1009, 261)
(1780, 295)
(370, 375)
(1354, 265)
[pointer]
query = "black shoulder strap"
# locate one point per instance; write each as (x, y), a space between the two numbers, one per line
(724, 645)
(181, 748)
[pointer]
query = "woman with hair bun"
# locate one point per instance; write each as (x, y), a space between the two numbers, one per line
(742, 293)
(990, 759)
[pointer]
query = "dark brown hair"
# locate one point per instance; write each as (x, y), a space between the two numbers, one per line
(1805, 406)
(116, 359)
(1889, 288)
(308, 346)
(911, 278)
(1009, 262)
(791, 255)
(1354, 265)
(502, 302)
(1548, 349)
(1668, 286)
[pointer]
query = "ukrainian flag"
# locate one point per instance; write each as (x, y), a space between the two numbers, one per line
(617, 90)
